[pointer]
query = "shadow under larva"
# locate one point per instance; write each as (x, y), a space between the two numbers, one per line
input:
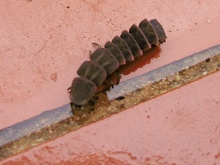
(106, 61)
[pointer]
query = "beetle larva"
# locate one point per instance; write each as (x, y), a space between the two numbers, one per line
(105, 61)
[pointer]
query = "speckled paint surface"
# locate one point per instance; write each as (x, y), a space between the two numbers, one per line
(160, 131)
(43, 44)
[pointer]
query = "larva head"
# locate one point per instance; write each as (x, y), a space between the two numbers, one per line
(82, 91)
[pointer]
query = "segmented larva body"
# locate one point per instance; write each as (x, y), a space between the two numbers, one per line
(104, 61)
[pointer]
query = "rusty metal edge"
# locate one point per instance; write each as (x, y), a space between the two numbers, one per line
(57, 122)
(155, 75)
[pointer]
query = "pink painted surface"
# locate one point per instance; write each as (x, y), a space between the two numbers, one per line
(180, 127)
(44, 42)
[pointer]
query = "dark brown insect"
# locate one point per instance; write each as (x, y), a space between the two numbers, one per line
(105, 61)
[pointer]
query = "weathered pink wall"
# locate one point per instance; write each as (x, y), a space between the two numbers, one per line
(44, 42)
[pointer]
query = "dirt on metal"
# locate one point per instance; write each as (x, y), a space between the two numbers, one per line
(60, 121)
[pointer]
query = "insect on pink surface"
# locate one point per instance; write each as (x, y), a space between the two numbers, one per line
(105, 61)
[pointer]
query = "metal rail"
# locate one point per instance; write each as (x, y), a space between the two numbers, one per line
(59, 121)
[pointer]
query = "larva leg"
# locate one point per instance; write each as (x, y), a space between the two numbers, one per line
(109, 83)
(113, 79)
(68, 90)
(96, 45)
(118, 77)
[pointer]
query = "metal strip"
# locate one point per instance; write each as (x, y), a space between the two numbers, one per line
(165, 71)
(57, 122)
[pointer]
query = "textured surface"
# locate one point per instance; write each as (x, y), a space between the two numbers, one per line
(45, 42)
(156, 132)
(57, 122)
(40, 57)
